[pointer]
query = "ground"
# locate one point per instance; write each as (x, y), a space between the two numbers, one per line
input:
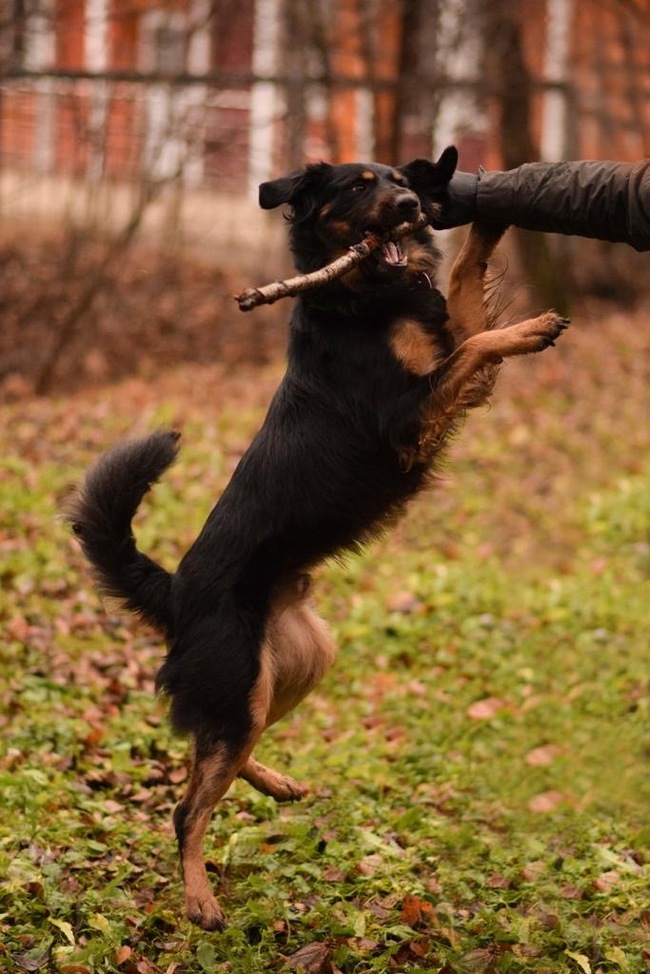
(477, 756)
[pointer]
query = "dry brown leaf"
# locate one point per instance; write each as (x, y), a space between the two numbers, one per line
(369, 865)
(486, 709)
(547, 801)
(123, 954)
(405, 602)
(497, 881)
(533, 870)
(333, 875)
(413, 910)
(606, 882)
(313, 958)
(542, 756)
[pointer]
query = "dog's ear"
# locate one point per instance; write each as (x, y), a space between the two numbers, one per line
(428, 178)
(290, 189)
(279, 191)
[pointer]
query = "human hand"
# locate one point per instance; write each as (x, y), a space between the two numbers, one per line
(457, 201)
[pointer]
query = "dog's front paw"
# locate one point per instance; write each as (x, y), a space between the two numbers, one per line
(544, 330)
(205, 912)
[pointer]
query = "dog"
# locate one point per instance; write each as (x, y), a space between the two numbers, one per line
(380, 372)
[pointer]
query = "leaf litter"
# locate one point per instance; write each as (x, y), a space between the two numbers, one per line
(476, 756)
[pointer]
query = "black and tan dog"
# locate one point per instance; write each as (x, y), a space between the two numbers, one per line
(379, 373)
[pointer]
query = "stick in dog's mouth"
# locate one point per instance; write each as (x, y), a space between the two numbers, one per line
(391, 252)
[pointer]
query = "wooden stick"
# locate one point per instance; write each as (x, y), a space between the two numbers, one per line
(254, 296)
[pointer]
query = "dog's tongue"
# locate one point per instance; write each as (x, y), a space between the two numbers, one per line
(392, 253)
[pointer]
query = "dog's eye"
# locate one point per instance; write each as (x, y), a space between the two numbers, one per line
(359, 187)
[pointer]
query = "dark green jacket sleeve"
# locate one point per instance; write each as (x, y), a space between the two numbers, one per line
(607, 200)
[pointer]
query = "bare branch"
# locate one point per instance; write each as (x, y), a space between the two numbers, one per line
(254, 296)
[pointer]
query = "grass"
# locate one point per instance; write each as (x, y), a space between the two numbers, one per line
(478, 756)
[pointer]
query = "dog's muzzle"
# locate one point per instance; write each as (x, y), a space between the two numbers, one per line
(403, 208)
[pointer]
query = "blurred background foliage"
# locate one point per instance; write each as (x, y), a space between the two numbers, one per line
(134, 134)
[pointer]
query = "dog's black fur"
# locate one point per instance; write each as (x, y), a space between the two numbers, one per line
(344, 446)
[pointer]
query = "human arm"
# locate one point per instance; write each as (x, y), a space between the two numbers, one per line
(605, 200)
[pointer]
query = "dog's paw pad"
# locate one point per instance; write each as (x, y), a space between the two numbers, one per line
(206, 913)
(286, 789)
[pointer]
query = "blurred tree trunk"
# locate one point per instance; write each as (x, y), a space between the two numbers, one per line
(509, 77)
(409, 68)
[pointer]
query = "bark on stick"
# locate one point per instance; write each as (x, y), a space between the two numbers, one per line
(254, 296)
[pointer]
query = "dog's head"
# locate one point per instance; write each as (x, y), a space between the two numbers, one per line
(333, 207)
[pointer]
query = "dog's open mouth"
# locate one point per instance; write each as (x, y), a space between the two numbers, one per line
(392, 254)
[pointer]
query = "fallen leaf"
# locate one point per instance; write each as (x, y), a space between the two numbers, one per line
(547, 801)
(34, 959)
(617, 956)
(313, 958)
(540, 757)
(369, 865)
(606, 882)
(333, 875)
(146, 967)
(413, 908)
(532, 871)
(122, 954)
(65, 928)
(405, 602)
(479, 961)
(206, 955)
(581, 960)
(571, 892)
(497, 881)
(485, 709)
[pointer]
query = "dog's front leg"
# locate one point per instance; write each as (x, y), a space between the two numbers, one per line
(466, 291)
(490, 348)
(467, 377)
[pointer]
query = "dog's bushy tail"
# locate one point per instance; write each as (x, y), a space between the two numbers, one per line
(100, 515)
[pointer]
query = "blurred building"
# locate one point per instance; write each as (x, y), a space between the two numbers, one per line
(225, 93)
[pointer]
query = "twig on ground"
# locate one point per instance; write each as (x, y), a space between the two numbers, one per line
(254, 296)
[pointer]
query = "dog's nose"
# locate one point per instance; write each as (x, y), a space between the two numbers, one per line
(407, 204)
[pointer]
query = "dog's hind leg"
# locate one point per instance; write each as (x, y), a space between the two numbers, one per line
(214, 768)
(269, 782)
(300, 650)
(466, 292)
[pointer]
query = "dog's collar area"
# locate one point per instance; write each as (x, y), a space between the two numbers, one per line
(422, 280)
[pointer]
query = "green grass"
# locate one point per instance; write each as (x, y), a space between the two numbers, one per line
(478, 756)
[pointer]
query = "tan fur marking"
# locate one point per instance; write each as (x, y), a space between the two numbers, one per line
(369, 176)
(420, 258)
(300, 650)
(324, 210)
(342, 229)
(466, 297)
(414, 348)
(262, 693)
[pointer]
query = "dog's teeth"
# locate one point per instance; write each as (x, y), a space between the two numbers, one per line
(393, 254)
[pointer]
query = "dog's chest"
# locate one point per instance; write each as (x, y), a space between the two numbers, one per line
(417, 350)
